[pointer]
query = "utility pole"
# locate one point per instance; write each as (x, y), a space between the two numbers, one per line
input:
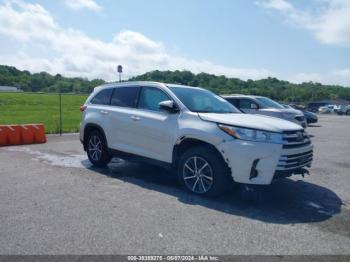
(60, 105)
(120, 71)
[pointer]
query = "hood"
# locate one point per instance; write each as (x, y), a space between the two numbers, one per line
(266, 123)
(294, 112)
(310, 114)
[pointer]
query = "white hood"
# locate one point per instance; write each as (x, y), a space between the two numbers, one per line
(251, 121)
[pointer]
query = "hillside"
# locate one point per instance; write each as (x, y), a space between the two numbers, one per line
(44, 82)
(271, 87)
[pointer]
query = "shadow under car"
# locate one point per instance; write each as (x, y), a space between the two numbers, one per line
(285, 201)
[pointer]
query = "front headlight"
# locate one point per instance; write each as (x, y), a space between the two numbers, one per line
(252, 134)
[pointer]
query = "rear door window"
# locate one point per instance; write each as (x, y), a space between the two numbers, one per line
(103, 97)
(125, 96)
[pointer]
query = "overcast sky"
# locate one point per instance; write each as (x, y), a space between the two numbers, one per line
(299, 40)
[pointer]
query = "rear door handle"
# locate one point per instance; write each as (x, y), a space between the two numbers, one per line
(104, 112)
(135, 118)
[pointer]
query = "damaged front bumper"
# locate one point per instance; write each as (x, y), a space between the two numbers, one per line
(261, 163)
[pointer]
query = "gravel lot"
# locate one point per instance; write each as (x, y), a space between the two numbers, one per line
(53, 202)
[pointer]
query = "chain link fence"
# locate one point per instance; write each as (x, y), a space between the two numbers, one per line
(60, 113)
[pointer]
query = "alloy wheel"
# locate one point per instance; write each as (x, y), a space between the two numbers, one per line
(197, 175)
(95, 148)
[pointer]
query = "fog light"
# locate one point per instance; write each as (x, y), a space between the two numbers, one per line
(253, 172)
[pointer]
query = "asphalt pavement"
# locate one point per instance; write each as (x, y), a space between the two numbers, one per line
(53, 202)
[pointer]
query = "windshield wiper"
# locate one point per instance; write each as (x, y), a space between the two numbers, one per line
(204, 111)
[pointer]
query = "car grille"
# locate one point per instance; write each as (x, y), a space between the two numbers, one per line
(288, 162)
(294, 139)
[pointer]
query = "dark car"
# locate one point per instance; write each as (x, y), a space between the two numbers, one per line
(310, 117)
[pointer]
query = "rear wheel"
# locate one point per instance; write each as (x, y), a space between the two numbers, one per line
(202, 171)
(97, 150)
(348, 112)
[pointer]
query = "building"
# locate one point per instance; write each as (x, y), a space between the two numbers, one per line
(9, 89)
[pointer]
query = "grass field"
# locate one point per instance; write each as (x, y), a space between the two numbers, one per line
(26, 108)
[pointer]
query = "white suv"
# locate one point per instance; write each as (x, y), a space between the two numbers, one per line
(192, 130)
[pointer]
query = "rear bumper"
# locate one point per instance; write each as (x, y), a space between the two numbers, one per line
(81, 134)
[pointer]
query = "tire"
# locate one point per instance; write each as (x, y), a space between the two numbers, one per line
(202, 171)
(96, 149)
(347, 112)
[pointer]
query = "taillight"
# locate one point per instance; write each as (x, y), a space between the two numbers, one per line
(82, 108)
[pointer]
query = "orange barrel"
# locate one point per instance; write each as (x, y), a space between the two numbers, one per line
(3, 136)
(39, 133)
(14, 135)
(28, 134)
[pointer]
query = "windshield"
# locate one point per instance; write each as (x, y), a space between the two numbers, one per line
(202, 101)
(269, 103)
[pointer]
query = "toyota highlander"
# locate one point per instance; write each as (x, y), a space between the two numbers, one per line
(209, 142)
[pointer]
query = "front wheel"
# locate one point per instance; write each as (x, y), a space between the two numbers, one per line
(97, 150)
(202, 171)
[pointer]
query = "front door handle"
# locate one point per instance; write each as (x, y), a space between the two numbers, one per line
(135, 118)
(104, 112)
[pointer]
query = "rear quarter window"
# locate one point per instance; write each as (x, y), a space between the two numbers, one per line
(103, 97)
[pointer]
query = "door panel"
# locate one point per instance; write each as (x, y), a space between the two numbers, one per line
(123, 103)
(152, 132)
(99, 110)
(144, 131)
(123, 129)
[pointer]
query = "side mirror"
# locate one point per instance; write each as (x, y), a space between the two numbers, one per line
(254, 106)
(169, 106)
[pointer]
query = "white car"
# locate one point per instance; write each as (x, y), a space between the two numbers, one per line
(207, 140)
(328, 109)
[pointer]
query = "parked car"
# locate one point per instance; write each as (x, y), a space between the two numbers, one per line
(343, 110)
(327, 109)
(310, 117)
(265, 106)
(208, 141)
(314, 106)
